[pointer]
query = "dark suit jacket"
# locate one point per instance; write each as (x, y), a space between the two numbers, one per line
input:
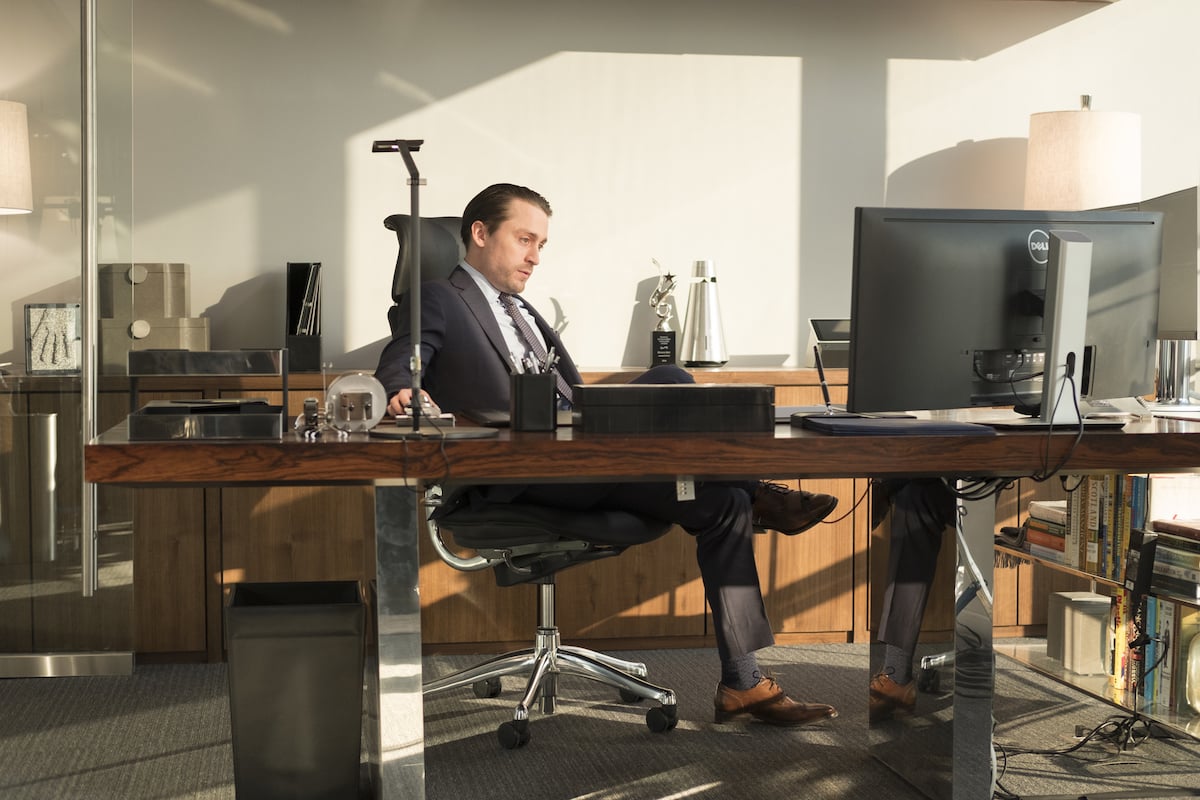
(465, 361)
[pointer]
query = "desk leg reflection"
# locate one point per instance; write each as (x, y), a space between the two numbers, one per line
(945, 748)
(395, 732)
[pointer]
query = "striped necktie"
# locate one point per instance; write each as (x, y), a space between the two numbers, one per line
(533, 342)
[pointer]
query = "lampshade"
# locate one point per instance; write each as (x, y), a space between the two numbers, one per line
(16, 186)
(1083, 159)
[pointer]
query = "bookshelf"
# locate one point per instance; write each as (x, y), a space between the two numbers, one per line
(1106, 528)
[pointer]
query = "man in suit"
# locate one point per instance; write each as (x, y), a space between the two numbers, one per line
(476, 331)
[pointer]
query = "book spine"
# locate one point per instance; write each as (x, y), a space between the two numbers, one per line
(1122, 515)
(1108, 525)
(1138, 504)
(1047, 553)
(1136, 665)
(1162, 584)
(1150, 652)
(1035, 535)
(1054, 514)
(1165, 554)
(1119, 660)
(1179, 543)
(1091, 531)
(1176, 528)
(1165, 690)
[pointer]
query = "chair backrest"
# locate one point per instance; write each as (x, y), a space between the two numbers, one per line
(441, 250)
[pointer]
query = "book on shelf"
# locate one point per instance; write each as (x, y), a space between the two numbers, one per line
(1046, 553)
(1045, 534)
(1167, 552)
(1149, 650)
(1135, 670)
(1164, 684)
(1167, 584)
(1052, 511)
(1118, 662)
(1187, 528)
(1093, 529)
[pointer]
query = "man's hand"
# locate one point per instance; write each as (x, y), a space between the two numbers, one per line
(402, 400)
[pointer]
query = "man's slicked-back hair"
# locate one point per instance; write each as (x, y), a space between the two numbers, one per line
(491, 207)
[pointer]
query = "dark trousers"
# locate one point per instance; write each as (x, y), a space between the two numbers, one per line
(921, 510)
(719, 519)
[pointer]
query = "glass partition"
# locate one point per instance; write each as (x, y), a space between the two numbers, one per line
(51, 621)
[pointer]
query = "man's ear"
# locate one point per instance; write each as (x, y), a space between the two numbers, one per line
(479, 233)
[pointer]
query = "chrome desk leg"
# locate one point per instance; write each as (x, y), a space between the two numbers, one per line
(395, 733)
(945, 748)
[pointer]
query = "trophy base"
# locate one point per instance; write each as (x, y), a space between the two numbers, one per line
(662, 348)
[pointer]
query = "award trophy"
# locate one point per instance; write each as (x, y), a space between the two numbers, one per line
(662, 338)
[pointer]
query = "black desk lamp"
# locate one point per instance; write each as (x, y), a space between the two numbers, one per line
(406, 147)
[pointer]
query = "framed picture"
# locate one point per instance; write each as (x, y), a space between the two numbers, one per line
(52, 332)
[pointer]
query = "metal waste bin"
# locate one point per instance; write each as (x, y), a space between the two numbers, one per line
(295, 652)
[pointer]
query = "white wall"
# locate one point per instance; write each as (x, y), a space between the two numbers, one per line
(673, 130)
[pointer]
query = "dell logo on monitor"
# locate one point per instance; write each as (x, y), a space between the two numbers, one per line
(1039, 246)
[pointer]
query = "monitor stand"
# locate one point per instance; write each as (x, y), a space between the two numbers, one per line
(1068, 283)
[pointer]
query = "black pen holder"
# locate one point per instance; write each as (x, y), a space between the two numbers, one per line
(533, 402)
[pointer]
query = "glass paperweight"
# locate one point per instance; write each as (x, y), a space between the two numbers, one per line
(355, 403)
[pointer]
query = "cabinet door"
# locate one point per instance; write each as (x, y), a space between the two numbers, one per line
(295, 533)
(169, 570)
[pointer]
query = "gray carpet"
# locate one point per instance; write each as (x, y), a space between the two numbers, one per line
(164, 733)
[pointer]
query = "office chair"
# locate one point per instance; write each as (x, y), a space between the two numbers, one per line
(523, 543)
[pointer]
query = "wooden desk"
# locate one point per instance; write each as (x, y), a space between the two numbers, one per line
(397, 758)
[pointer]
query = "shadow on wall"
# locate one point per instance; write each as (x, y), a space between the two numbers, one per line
(987, 174)
(250, 314)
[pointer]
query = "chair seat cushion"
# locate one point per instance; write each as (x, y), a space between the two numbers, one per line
(499, 524)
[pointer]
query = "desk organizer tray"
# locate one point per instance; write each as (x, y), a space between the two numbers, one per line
(166, 420)
(674, 408)
(206, 362)
(894, 426)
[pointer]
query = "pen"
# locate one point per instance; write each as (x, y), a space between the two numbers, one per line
(824, 385)
(551, 360)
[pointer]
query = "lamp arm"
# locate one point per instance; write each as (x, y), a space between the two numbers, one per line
(406, 147)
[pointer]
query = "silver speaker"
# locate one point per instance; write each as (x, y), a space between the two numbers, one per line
(703, 335)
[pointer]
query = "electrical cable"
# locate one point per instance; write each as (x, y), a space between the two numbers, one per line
(1047, 473)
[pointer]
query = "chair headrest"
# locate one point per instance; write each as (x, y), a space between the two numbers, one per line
(440, 248)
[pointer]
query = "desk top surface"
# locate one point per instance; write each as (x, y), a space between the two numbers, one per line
(1152, 445)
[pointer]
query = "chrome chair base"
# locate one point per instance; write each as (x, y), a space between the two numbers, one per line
(544, 663)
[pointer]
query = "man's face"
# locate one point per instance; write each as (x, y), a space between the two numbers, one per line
(507, 256)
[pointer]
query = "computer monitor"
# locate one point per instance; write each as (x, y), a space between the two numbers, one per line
(947, 306)
(1179, 289)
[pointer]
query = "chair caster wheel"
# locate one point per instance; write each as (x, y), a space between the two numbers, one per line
(662, 718)
(486, 688)
(629, 697)
(929, 681)
(513, 734)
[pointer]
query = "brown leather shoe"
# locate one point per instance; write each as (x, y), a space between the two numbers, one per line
(789, 511)
(887, 699)
(766, 702)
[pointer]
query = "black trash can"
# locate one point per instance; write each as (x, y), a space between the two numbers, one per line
(295, 653)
